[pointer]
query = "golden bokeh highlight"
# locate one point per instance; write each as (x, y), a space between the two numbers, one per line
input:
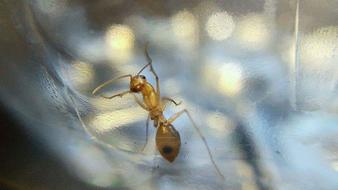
(120, 37)
(120, 41)
(252, 32)
(185, 27)
(227, 77)
(220, 26)
(231, 79)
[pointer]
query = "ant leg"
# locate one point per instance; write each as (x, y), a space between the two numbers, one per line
(165, 100)
(140, 103)
(152, 70)
(171, 100)
(178, 114)
(108, 82)
(116, 95)
(147, 128)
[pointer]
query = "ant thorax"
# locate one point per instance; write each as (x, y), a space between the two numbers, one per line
(150, 98)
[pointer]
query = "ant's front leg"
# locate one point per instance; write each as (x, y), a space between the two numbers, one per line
(116, 95)
(140, 103)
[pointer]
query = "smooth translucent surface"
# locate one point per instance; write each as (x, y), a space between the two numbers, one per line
(259, 78)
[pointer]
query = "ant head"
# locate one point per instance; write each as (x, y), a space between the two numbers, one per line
(137, 83)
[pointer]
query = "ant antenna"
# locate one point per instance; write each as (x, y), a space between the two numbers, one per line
(143, 68)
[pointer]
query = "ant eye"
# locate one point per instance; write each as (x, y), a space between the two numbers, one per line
(143, 77)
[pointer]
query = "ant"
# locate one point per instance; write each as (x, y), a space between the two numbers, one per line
(168, 141)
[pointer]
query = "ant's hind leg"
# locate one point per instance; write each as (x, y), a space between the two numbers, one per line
(178, 114)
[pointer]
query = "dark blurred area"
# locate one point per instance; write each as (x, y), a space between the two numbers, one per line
(25, 164)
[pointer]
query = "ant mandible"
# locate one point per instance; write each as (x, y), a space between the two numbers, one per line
(168, 141)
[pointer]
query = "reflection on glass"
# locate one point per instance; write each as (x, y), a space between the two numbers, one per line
(173, 85)
(81, 75)
(249, 185)
(320, 46)
(243, 169)
(115, 119)
(219, 122)
(92, 168)
(335, 165)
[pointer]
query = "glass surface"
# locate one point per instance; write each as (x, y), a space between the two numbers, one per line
(258, 77)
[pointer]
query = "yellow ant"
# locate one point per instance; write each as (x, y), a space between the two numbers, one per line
(168, 140)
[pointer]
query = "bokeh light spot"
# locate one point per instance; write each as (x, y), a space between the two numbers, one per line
(227, 77)
(231, 79)
(185, 27)
(120, 42)
(252, 32)
(220, 26)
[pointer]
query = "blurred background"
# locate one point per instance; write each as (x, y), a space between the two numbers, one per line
(259, 77)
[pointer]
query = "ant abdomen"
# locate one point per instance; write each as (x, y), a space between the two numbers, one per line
(168, 142)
